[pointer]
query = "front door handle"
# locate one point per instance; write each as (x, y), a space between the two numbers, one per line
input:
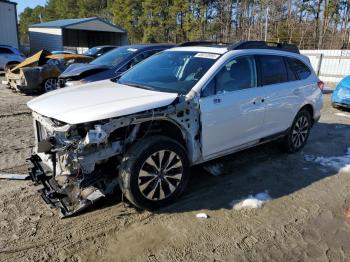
(258, 100)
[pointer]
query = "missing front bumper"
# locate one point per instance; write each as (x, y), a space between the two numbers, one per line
(52, 193)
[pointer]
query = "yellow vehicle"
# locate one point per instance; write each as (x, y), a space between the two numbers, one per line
(40, 71)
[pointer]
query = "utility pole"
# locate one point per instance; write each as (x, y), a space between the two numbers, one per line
(266, 22)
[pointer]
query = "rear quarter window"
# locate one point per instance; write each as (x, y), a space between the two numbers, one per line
(300, 70)
(273, 69)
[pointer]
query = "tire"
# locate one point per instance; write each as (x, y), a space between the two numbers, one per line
(138, 178)
(49, 84)
(299, 132)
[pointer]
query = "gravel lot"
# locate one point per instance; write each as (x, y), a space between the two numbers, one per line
(304, 221)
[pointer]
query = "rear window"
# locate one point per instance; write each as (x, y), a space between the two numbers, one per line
(300, 70)
(273, 70)
(4, 50)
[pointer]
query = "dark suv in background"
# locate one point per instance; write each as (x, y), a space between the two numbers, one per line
(109, 65)
(99, 50)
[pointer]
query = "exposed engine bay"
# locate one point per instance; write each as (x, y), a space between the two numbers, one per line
(78, 164)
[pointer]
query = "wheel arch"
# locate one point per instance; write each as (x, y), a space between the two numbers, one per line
(309, 107)
(12, 62)
(165, 127)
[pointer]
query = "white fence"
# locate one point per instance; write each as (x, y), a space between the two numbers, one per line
(330, 65)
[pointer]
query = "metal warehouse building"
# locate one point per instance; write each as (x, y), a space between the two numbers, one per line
(75, 34)
(8, 24)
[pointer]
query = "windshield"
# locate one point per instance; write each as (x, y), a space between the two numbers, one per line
(92, 51)
(170, 71)
(114, 56)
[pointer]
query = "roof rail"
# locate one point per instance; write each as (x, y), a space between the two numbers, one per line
(196, 43)
(264, 45)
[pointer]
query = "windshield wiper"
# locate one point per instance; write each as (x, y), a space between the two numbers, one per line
(138, 86)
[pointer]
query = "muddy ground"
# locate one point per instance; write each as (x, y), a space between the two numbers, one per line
(304, 221)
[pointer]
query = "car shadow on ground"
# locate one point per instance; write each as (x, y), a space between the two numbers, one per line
(255, 170)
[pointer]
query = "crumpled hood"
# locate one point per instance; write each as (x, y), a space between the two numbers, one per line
(38, 58)
(78, 69)
(96, 101)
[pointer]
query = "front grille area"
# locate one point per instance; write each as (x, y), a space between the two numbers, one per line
(41, 132)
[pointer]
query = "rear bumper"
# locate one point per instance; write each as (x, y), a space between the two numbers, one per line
(20, 82)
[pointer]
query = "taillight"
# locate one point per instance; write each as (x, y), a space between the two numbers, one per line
(320, 85)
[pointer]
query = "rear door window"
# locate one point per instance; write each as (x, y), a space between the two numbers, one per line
(300, 70)
(273, 69)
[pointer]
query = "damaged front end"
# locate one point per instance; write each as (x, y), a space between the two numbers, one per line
(71, 162)
(78, 164)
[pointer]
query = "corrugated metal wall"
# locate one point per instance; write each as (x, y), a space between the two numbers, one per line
(48, 38)
(87, 38)
(8, 24)
(331, 65)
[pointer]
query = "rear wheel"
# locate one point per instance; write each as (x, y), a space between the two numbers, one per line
(154, 172)
(49, 84)
(299, 132)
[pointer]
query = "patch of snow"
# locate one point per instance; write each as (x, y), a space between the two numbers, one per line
(339, 163)
(309, 158)
(214, 169)
(202, 215)
(256, 201)
(339, 127)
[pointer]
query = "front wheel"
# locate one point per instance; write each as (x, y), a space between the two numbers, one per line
(154, 172)
(49, 84)
(299, 132)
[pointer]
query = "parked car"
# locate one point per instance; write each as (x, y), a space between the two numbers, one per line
(62, 52)
(179, 108)
(40, 71)
(341, 94)
(9, 57)
(109, 65)
(99, 50)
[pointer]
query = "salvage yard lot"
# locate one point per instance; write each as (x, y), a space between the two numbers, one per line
(305, 219)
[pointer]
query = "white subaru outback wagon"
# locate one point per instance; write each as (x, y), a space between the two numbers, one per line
(181, 107)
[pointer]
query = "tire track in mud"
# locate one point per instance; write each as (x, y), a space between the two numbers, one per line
(72, 233)
(15, 114)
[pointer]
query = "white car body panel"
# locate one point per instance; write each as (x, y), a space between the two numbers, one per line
(237, 119)
(97, 101)
(248, 122)
(283, 101)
